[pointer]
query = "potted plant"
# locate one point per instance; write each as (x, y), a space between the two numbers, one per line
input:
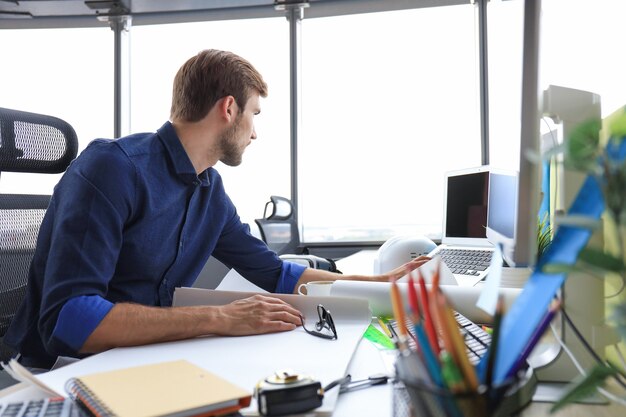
(600, 151)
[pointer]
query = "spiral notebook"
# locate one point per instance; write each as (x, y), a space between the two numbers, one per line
(168, 389)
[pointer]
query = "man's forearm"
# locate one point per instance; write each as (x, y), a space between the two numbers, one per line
(311, 274)
(134, 324)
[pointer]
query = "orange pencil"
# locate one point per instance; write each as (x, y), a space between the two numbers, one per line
(398, 311)
(436, 277)
(457, 344)
(447, 341)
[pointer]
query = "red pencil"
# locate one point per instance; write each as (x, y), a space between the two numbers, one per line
(428, 321)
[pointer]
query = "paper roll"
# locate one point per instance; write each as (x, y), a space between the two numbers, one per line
(463, 299)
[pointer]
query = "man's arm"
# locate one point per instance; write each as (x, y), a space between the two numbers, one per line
(311, 274)
(133, 324)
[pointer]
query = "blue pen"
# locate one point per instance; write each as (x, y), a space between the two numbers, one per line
(429, 357)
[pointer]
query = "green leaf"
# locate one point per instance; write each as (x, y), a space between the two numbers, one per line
(619, 317)
(582, 146)
(617, 127)
(582, 388)
(602, 260)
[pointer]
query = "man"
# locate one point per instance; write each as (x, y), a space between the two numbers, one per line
(134, 218)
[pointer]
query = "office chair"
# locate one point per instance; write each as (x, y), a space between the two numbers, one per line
(29, 143)
(278, 228)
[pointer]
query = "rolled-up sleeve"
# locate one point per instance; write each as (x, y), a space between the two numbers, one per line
(78, 318)
(289, 276)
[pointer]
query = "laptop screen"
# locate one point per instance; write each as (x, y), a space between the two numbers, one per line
(467, 195)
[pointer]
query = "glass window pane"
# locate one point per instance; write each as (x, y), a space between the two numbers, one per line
(66, 73)
(157, 53)
(580, 48)
(389, 103)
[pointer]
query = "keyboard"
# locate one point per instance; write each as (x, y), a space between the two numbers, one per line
(466, 261)
(476, 339)
(49, 407)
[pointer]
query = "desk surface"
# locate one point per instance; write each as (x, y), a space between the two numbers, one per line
(377, 401)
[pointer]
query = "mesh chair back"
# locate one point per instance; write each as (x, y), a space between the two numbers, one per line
(35, 143)
(31, 143)
(278, 228)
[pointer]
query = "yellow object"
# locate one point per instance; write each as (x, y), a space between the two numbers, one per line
(177, 388)
(467, 370)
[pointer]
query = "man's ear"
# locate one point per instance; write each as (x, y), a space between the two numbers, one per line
(228, 108)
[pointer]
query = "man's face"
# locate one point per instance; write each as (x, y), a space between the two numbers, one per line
(239, 135)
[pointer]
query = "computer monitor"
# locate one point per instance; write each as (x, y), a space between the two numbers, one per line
(502, 213)
(529, 189)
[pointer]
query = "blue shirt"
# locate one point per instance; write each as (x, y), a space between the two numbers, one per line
(130, 221)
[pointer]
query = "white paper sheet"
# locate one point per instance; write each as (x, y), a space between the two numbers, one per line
(489, 296)
(246, 360)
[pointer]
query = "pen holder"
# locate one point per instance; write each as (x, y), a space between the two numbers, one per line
(413, 398)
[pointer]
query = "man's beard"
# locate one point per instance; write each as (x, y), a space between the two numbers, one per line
(230, 147)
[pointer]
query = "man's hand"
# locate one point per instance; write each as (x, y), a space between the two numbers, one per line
(256, 315)
(133, 324)
(400, 271)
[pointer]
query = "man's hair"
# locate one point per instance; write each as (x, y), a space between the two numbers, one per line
(209, 76)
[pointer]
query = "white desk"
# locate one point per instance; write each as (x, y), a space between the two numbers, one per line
(376, 401)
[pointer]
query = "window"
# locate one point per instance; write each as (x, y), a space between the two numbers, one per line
(580, 48)
(157, 54)
(389, 103)
(66, 73)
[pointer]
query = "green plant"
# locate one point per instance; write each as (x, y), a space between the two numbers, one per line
(544, 235)
(585, 152)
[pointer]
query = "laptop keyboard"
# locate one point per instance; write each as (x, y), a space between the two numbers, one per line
(49, 407)
(476, 339)
(466, 261)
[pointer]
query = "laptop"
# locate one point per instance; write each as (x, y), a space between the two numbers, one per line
(464, 246)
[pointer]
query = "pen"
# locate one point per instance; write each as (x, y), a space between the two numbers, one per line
(534, 338)
(428, 321)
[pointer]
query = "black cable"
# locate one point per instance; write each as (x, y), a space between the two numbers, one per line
(618, 377)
